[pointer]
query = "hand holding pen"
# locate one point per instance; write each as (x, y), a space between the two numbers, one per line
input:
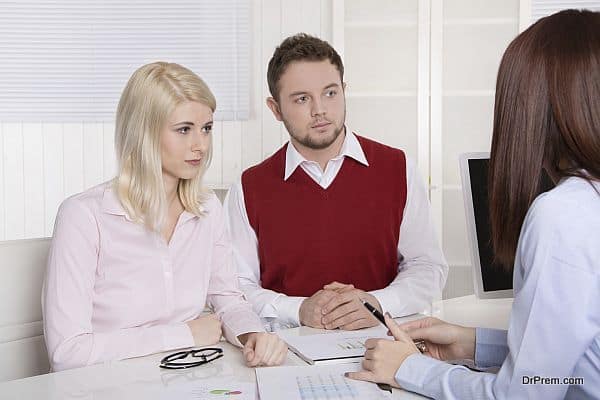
(420, 344)
(383, 357)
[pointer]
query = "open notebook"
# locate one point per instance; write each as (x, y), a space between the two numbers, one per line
(334, 346)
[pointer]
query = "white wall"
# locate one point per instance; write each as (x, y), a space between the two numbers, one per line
(420, 77)
(43, 163)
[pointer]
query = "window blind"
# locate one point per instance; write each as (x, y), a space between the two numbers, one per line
(69, 60)
(543, 8)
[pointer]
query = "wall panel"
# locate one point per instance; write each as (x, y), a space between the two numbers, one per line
(53, 173)
(33, 179)
(43, 163)
(14, 190)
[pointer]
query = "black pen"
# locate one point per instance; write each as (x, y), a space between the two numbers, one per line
(377, 314)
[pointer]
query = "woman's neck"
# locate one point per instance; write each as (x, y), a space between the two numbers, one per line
(170, 184)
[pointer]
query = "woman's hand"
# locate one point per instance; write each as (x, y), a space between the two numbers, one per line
(263, 349)
(444, 341)
(206, 330)
(383, 357)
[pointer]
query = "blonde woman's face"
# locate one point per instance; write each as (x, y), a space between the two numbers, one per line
(185, 140)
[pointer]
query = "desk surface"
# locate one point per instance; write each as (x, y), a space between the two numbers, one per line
(142, 378)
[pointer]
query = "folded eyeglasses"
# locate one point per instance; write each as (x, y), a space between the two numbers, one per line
(205, 355)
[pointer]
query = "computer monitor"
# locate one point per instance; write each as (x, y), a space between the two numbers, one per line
(490, 281)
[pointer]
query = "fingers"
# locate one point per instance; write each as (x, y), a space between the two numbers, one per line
(395, 330)
(368, 365)
(337, 300)
(430, 334)
(248, 355)
(361, 376)
(369, 355)
(337, 286)
(377, 348)
(278, 353)
(322, 297)
(419, 323)
(267, 350)
(248, 349)
(371, 343)
(261, 349)
(311, 309)
(359, 323)
(342, 315)
(346, 311)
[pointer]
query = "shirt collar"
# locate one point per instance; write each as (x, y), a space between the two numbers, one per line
(350, 148)
(112, 205)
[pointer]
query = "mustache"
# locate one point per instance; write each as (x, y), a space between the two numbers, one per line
(319, 122)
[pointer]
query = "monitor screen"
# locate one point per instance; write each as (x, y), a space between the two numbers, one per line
(493, 277)
(490, 280)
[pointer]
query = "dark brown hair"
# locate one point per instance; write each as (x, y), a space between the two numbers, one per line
(546, 118)
(300, 47)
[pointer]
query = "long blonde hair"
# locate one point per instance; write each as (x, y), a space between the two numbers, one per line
(151, 94)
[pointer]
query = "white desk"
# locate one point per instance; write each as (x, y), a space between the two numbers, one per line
(141, 378)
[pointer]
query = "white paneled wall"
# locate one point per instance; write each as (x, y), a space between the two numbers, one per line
(420, 74)
(469, 39)
(382, 71)
(43, 163)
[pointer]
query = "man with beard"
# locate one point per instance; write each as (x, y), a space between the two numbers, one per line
(331, 219)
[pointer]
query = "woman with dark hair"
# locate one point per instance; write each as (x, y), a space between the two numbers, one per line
(546, 120)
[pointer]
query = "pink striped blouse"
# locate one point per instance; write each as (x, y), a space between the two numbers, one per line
(115, 290)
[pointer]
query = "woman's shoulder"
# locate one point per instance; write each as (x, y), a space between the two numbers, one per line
(86, 202)
(571, 198)
(565, 221)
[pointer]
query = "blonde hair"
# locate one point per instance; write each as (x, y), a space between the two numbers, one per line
(151, 95)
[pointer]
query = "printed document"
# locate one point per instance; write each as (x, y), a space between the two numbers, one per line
(318, 382)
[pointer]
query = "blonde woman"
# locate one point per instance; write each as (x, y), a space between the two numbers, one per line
(134, 261)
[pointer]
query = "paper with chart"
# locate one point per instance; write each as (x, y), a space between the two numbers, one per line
(315, 382)
(211, 389)
(333, 346)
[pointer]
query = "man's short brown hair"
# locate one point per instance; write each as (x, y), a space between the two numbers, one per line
(300, 47)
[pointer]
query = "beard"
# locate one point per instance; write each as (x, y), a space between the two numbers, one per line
(316, 143)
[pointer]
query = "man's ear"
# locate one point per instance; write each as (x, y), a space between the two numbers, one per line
(272, 104)
(344, 86)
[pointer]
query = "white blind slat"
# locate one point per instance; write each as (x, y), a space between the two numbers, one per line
(67, 60)
(543, 8)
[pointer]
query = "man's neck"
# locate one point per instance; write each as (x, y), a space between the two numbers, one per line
(321, 156)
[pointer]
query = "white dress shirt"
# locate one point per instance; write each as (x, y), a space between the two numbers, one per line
(422, 269)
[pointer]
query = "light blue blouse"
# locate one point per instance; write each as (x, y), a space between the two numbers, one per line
(554, 329)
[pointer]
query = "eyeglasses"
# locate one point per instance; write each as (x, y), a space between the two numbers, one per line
(205, 355)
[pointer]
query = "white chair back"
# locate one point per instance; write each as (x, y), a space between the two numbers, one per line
(22, 348)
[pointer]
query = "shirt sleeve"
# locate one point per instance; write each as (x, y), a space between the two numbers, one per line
(67, 301)
(553, 322)
(266, 303)
(223, 291)
(422, 270)
(491, 348)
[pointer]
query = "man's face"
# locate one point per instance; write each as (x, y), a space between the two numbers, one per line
(311, 104)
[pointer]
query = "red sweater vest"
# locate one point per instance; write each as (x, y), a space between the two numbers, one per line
(309, 236)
